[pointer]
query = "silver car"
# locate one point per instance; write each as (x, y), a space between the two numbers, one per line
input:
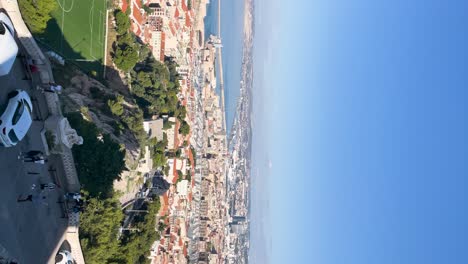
(16, 120)
(8, 46)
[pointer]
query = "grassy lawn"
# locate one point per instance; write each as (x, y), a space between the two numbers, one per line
(77, 32)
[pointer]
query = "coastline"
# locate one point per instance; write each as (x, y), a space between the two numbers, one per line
(201, 12)
(239, 145)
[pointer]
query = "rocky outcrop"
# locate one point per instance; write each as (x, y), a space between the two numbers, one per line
(90, 97)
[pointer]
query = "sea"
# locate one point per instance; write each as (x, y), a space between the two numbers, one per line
(232, 18)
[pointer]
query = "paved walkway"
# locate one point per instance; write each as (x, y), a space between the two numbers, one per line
(65, 168)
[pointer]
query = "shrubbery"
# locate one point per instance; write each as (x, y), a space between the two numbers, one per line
(99, 232)
(99, 161)
(36, 13)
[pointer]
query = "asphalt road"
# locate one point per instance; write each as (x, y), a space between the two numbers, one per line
(30, 232)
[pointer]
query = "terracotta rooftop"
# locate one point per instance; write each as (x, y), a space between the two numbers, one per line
(184, 6)
(164, 205)
(180, 242)
(138, 2)
(124, 5)
(138, 32)
(174, 172)
(137, 14)
(188, 21)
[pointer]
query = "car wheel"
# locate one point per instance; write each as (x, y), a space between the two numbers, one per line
(12, 94)
(58, 258)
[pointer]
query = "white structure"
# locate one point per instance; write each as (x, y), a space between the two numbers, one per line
(181, 165)
(182, 189)
(55, 57)
(171, 134)
(154, 128)
(145, 165)
(8, 47)
(68, 135)
(170, 178)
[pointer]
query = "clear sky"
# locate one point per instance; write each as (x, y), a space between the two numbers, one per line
(361, 109)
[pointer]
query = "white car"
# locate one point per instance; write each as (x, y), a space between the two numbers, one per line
(64, 257)
(16, 119)
(8, 47)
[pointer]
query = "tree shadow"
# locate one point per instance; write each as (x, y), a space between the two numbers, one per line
(53, 40)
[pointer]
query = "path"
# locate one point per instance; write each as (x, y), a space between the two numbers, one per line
(40, 221)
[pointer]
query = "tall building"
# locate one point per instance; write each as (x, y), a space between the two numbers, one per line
(157, 44)
(238, 219)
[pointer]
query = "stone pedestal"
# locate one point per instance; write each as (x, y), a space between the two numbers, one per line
(63, 133)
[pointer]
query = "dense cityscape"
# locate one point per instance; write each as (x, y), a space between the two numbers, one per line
(176, 189)
(239, 167)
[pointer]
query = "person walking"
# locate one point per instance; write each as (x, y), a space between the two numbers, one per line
(30, 154)
(27, 199)
(49, 186)
(39, 160)
(34, 153)
(73, 196)
(53, 88)
(34, 198)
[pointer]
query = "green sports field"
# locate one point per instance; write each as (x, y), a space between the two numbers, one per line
(77, 32)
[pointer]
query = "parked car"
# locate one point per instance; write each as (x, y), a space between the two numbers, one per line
(16, 120)
(8, 46)
(64, 257)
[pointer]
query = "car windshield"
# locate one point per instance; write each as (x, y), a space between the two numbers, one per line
(12, 136)
(27, 106)
(18, 112)
(2, 29)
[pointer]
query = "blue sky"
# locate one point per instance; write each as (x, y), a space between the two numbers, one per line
(361, 109)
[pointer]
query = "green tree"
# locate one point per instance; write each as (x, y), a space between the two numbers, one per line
(145, 79)
(136, 244)
(125, 57)
(122, 22)
(99, 226)
(194, 154)
(134, 121)
(159, 159)
(161, 226)
(36, 13)
(158, 152)
(144, 52)
(116, 106)
(99, 161)
(126, 39)
(181, 112)
(184, 128)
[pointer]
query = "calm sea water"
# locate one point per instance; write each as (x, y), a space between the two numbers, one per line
(232, 14)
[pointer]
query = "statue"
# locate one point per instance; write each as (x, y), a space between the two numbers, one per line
(69, 137)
